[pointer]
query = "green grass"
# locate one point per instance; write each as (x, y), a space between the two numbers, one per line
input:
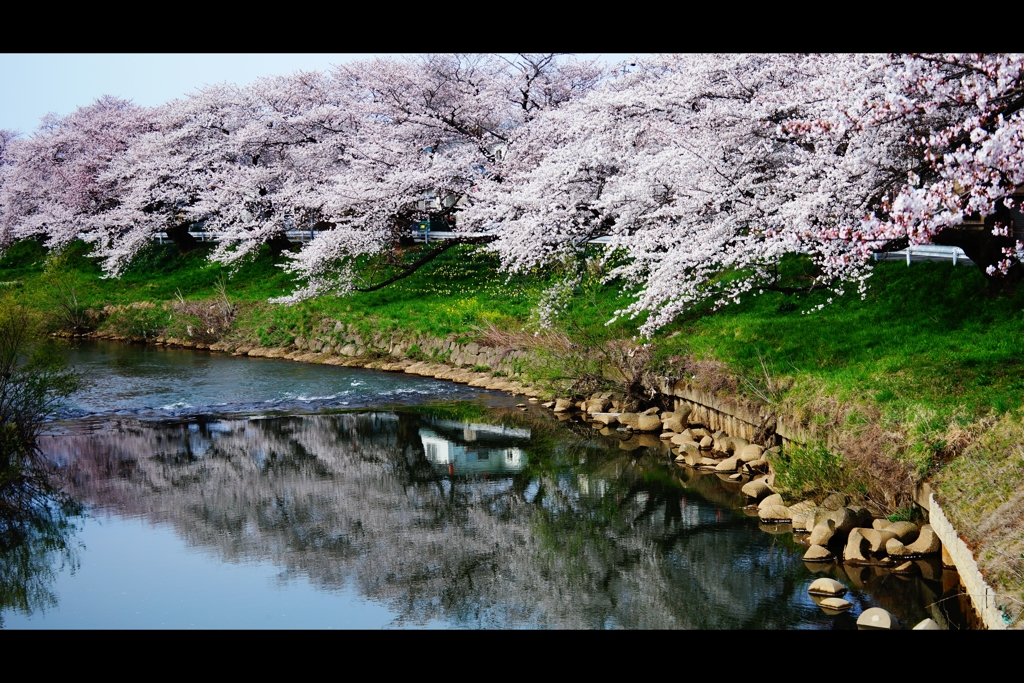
(983, 493)
(812, 470)
(925, 336)
(456, 294)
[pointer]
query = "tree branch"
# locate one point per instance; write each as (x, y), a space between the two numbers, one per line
(409, 269)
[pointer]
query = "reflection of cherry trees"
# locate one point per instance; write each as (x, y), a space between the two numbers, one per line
(352, 500)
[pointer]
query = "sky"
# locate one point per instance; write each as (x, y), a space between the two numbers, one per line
(33, 85)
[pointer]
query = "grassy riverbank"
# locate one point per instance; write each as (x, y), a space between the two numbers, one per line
(922, 380)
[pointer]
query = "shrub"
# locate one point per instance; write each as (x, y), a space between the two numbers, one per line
(34, 381)
(810, 469)
(141, 320)
(34, 514)
(68, 310)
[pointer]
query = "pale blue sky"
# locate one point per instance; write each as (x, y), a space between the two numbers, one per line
(33, 85)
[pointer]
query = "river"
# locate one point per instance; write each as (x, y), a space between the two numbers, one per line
(251, 493)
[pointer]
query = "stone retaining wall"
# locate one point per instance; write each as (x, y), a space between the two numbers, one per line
(735, 417)
(746, 420)
(345, 340)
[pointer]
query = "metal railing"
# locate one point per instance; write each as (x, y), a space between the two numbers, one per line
(301, 236)
(427, 235)
(926, 252)
(918, 252)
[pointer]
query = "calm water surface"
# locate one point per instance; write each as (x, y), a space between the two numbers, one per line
(223, 492)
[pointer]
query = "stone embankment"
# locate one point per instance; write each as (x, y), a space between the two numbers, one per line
(733, 438)
(834, 530)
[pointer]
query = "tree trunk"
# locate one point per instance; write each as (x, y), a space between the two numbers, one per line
(986, 249)
(279, 242)
(182, 238)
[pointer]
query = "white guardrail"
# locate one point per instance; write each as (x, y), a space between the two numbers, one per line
(919, 252)
(203, 236)
(420, 235)
(926, 252)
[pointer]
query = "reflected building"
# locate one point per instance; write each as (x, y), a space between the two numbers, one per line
(471, 455)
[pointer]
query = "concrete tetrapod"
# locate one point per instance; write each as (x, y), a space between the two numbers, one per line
(756, 489)
(802, 507)
(648, 423)
(683, 440)
(629, 419)
(773, 509)
(846, 519)
(876, 618)
(906, 532)
(927, 543)
(854, 553)
(774, 513)
(727, 465)
(804, 521)
(759, 465)
(835, 604)
(826, 586)
(563, 404)
(835, 501)
(737, 444)
(876, 539)
(750, 453)
(822, 533)
(818, 553)
(674, 424)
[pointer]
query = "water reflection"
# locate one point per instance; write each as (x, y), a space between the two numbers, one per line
(36, 544)
(473, 448)
(500, 522)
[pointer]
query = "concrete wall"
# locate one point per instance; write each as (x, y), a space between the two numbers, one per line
(983, 598)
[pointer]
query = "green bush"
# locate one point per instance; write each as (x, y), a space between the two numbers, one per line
(138, 321)
(34, 381)
(811, 469)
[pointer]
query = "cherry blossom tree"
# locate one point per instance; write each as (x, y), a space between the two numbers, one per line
(683, 163)
(8, 139)
(53, 181)
(701, 171)
(357, 155)
(421, 139)
(192, 169)
(961, 117)
(706, 170)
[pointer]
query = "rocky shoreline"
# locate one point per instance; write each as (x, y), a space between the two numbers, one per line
(833, 531)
